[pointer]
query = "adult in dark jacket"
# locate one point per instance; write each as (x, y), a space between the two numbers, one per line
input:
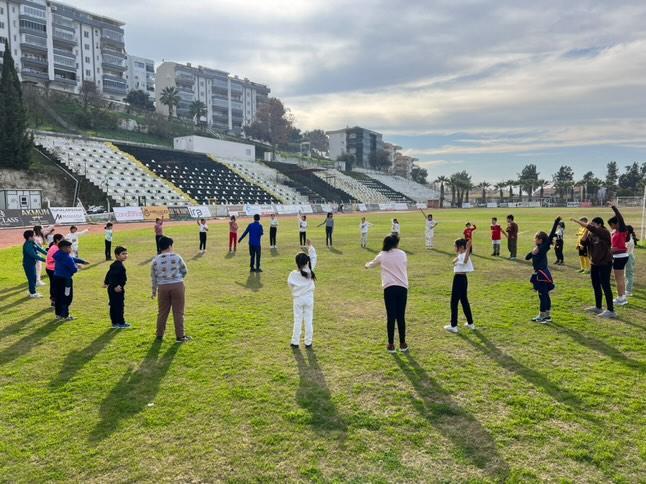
(255, 232)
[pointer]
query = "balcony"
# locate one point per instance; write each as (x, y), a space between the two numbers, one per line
(112, 38)
(28, 59)
(29, 73)
(64, 38)
(113, 63)
(184, 80)
(34, 43)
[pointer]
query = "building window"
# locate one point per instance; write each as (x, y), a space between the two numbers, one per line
(86, 34)
(87, 60)
(28, 24)
(86, 46)
(1, 25)
(88, 72)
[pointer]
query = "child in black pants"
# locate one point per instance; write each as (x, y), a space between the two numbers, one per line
(559, 243)
(462, 265)
(115, 282)
(542, 278)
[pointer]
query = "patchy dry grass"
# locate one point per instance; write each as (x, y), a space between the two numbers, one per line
(513, 401)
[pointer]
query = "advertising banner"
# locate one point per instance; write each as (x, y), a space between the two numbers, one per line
(152, 213)
(25, 217)
(259, 209)
(200, 211)
(179, 213)
(492, 205)
(326, 208)
(362, 207)
(10, 218)
(128, 214)
(68, 215)
(305, 209)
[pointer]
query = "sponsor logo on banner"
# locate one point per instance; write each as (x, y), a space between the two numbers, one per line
(25, 217)
(573, 204)
(152, 213)
(128, 214)
(179, 213)
(10, 218)
(259, 209)
(68, 215)
(200, 211)
(393, 206)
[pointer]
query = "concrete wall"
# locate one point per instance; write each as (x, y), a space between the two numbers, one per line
(224, 149)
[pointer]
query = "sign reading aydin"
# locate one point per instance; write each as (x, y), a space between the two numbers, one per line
(128, 214)
(26, 217)
(68, 215)
(152, 213)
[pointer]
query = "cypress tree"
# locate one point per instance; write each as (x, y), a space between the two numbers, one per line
(15, 140)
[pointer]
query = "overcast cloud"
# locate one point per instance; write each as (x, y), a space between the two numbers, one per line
(485, 86)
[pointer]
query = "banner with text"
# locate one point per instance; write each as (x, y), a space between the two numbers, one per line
(68, 215)
(200, 211)
(259, 209)
(128, 214)
(179, 213)
(152, 213)
(25, 217)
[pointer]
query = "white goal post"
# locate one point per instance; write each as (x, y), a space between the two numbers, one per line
(634, 202)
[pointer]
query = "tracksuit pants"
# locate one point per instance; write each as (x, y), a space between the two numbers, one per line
(395, 298)
(202, 240)
(600, 276)
(364, 240)
(63, 296)
(558, 250)
(170, 296)
(233, 241)
(459, 295)
(512, 245)
(429, 239)
(30, 272)
(328, 236)
(303, 315)
(50, 276)
(108, 250)
(157, 239)
(630, 273)
(272, 236)
(496, 247)
(117, 305)
(303, 238)
(254, 257)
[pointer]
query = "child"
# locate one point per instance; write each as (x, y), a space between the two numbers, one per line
(630, 266)
(468, 232)
(512, 237)
(302, 229)
(329, 228)
(107, 232)
(159, 232)
(462, 265)
(167, 273)
(30, 256)
(560, 242)
(496, 236)
(40, 237)
(597, 240)
(273, 231)
(255, 232)
(394, 280)
(50, 265)
(542, 278)
(301, 282)
(115, 281)
(203, 231)
(430, 230)
(584, 260)
(65, 266)
(73, 237)
(364, 227)
(233, 234)
(619, 237)
(395, 229)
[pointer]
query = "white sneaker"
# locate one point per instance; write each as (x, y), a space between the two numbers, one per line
(451, 329)
(35, 296)
(608, 315)
(594, 310)
(621, 301)
(628, 294)
(470, 326)
(40, 283)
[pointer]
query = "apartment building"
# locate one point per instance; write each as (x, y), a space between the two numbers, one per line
(141, 75)
(231, 102)
(61, 47)
(357, 141)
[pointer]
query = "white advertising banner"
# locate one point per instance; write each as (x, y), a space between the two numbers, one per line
(362, 207)
(327, 208)
(420, 206)
(128, 214)
(259, 209)
(200, 211)
(68, 215)
(492, 205)
(305, 209)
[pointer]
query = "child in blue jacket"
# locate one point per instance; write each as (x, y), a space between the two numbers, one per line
(30, 256)
(64, 270)
(542, 278)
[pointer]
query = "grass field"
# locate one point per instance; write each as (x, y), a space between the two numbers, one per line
(513, 401)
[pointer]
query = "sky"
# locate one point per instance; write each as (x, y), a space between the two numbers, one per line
(476, 85)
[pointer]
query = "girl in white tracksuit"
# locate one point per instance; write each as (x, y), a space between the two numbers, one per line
(301, 282)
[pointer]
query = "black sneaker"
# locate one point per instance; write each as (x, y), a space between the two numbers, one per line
(252, 270)
(122, 326)
(258, 270)
(309, 347)
(183, 339)
(294, 346)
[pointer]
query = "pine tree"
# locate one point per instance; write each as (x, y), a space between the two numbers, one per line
(15, 140)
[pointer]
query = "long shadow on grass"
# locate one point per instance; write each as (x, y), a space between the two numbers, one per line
(19, 287)
(147, 261)
(600, 347)
(230, 255)
(532, 376)
(78, 359)
(10, 294)
(460, 427)
(450, 254)
(134, 392)
(26, 344)
(334, 250)
(17, 302)
(18, 325)
(314, 396)
(274, 252)
(368, 249)
(253, 282)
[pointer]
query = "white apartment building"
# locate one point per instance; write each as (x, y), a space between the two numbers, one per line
(231, 102)
(141, 75)
(59, 46)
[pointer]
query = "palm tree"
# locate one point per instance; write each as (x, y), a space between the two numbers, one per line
(541, 185)
(499, 186)
(198, 111)
(441, 180)
(484, 186)
(170, 97)
(510, 184)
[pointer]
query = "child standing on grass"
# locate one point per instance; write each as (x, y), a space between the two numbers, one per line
(50, 265)
(159, 232)
(395, 229)
(394, 280)
(30, 256)
(542, 278)
(273, 232)
(496, 236)
(430, 229)
(203, 231)
(302, 229)
(107, 232)
(462, 265)
(115, 282)
(329, 228)
(167, 273)
(301, 282)
(65, 266)
(619, 237)
(630, 265)
(73, 237)
(40, 238)
(512, 237)
(597, 240)
(364, 227)
(233, 234)
(581, 234)
(559, 243)
(468, 232)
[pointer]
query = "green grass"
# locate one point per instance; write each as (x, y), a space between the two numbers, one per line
(513, 401)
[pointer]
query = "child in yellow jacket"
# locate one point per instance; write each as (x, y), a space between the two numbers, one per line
(584, 260)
